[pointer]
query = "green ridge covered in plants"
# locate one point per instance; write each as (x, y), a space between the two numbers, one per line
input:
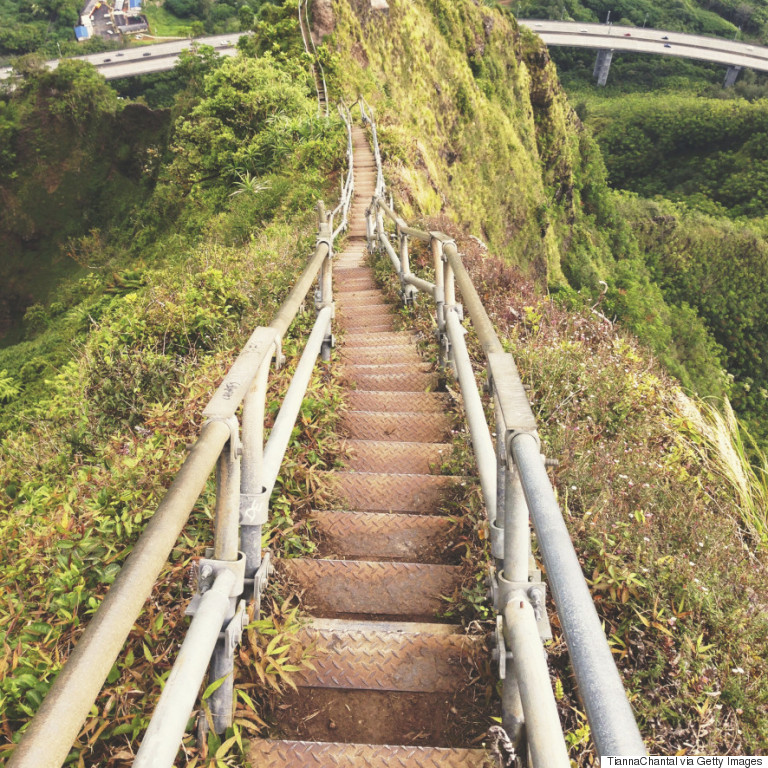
(99, 400)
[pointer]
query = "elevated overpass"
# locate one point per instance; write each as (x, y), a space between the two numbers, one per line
(145, 59)
(607, 38)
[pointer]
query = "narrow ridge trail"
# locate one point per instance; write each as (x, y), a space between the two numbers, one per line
(392, 685)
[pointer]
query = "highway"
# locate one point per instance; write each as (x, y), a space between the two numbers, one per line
(643, 40)
(145, 59)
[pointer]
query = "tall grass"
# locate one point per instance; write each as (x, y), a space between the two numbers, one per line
(726, 448)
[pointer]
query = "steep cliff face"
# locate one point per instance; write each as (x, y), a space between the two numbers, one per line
(473, 122)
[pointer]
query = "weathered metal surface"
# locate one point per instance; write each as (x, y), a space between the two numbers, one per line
(386, 661)
(314, 754)
(398, 427)
(356, 284)
(371, 491)
(371, 309)
(381, 536)
(359, 298)
(385, 368)
(345, 274)
(373, 339)
(397, 457)
(412, 381)
(427, 402)
(397, 353)
(382, 320)
(339, 587)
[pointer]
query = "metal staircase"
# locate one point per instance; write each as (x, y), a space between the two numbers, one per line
(384, 556)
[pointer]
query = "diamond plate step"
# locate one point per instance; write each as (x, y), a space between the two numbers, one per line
(361, 588)
(397, 353)
(411, 381)
(397, 457)
(379, 320)
(321, 754)
(379, 492)
(349, 273)
(355, 284)
(359, 298)
(427, 402)
(353, 658)
(382, 536)
(371, 339)
(396, 427)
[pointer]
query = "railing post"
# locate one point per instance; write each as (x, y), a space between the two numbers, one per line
(408, 291)
(543, 729)
(225, 549)
(324, 293)
(254, 506)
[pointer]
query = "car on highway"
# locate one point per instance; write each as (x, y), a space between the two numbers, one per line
(119, 54)
(667, 45)
(665, 38)
(146, 54)
(582, 30)
(106, 61)
(627, 34)
(750, 48)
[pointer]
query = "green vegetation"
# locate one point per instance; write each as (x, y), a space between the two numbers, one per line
(211, 217)
(98, 402)
(723, 18)
(667, 516)
(710, 153)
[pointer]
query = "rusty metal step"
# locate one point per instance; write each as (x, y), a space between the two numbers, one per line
(382, 320)
(382, 536)
(379, 492)
(372, 339)
(431, 402)
(355, 588)
(397, 457)
(398, 427)
(412, 381)
(397, 353)
(349, 273)
(349, 302)
(377, 309)
(355, 284)
(346, 655)
(323, 754)
(368, 296)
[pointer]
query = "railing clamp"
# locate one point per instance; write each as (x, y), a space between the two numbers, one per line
(328, 241)
(261, 579)
(208, 569)
(499, 652)
(235, 446)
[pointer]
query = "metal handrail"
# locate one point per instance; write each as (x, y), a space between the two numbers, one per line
(247, 472)
(515, 487)
(348, 186)
(306, 37)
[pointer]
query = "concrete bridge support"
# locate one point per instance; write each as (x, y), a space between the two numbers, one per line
(730, 76)
(602, 66)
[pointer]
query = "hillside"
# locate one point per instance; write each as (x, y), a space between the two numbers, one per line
(479, 141)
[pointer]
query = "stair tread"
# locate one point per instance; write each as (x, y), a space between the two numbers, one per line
(396, 456)
(375, 659)
(337, 588)
(398, 426)
(301, 754)
(384, 492)
(361, 535)
(397, 402)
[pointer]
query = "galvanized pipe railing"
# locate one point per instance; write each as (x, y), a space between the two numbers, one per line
(246, 474)
(306, 36)
(348, 185)
(513, 481)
